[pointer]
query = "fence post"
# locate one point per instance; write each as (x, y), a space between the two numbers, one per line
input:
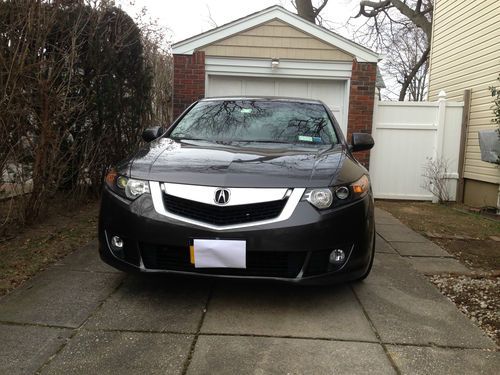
(441, 118)
(463, 140)
(374, 128)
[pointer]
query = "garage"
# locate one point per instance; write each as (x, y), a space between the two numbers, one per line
(276, 53)
(332, 93)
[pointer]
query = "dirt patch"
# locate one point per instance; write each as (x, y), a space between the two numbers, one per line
(464, 235)
(27, 251)
(483, 254)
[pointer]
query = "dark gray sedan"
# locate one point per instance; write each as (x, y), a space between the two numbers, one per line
(261, 188)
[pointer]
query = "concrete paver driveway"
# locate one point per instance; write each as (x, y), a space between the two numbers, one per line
(81, 316)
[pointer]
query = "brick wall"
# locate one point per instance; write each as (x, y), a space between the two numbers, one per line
(361, 101)
(189, 80)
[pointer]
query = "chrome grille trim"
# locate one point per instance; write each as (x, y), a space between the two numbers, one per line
(293, 200)
(239, 196)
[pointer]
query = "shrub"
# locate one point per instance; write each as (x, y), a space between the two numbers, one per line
(75, 95)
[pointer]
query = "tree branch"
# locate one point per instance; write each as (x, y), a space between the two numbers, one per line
(412, 74)
(414, 15)
(320, 8)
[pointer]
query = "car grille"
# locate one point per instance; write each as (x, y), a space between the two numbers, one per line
(259, 263)
(223, 215)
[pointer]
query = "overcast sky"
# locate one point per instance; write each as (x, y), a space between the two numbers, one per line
(186, 18)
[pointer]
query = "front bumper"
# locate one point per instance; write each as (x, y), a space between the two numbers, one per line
(295, 250)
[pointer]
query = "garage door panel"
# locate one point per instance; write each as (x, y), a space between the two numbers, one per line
(293, 88)
(331, 92)
(224, 86)
(259, 87)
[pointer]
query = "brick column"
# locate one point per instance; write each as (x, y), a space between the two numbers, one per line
(361, 101)
(189, 80)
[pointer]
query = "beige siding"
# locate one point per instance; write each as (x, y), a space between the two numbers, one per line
(275, 39)
(466, 55)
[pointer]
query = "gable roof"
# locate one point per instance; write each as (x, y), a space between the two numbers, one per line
(188, 46)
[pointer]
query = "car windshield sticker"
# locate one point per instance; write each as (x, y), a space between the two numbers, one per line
(305, 138)
(246, 110)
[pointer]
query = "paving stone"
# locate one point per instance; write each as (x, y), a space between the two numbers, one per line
(434, 266)
(384, 217)
(23, 349)
(399, 232)
(416, 313)
(413, 360)
(153, 304)
(427, 248)
(86, 259)
(382, 246)
(123, 353)
(58, 297)
(391, 269)
(281, 310)
(265, 355)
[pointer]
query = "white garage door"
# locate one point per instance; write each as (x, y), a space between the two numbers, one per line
(331, 92)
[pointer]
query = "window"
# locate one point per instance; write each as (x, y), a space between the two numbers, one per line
(257, 121)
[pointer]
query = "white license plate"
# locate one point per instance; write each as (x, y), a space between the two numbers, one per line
(220, 254)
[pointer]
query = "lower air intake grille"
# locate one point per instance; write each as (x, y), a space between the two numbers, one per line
(259, 263)
(223, 215)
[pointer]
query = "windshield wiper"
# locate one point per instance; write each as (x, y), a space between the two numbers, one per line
(261, 141)
(187, 139)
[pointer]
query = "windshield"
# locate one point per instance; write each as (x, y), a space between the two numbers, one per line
(256, 121)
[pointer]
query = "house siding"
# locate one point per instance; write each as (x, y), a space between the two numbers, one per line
(275, 39)
(465, 54)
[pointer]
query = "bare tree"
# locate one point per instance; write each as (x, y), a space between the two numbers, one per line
(403, 53)
(308, 11)
(156, 50)
(402, 29)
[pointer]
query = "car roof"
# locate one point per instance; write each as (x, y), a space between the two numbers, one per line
(264, 98)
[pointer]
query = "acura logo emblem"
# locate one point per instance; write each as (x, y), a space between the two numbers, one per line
(222, 196)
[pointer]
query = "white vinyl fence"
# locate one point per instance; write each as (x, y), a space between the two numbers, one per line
(407, 135)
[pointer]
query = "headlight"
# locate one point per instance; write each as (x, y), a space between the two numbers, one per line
(321, 198)
(136, 188)
(126, 187)
(338, 195)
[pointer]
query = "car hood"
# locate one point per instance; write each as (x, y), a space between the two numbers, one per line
(243, 164)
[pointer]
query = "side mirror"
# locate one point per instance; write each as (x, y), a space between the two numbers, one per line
(361, 142)
(150, 134)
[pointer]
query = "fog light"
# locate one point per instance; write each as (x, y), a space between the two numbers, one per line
(116, 243)
(337, 256)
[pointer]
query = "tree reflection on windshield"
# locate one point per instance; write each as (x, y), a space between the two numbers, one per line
(256, 121)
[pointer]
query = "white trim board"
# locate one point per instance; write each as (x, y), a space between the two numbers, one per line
(286, 68)
(188, 46)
